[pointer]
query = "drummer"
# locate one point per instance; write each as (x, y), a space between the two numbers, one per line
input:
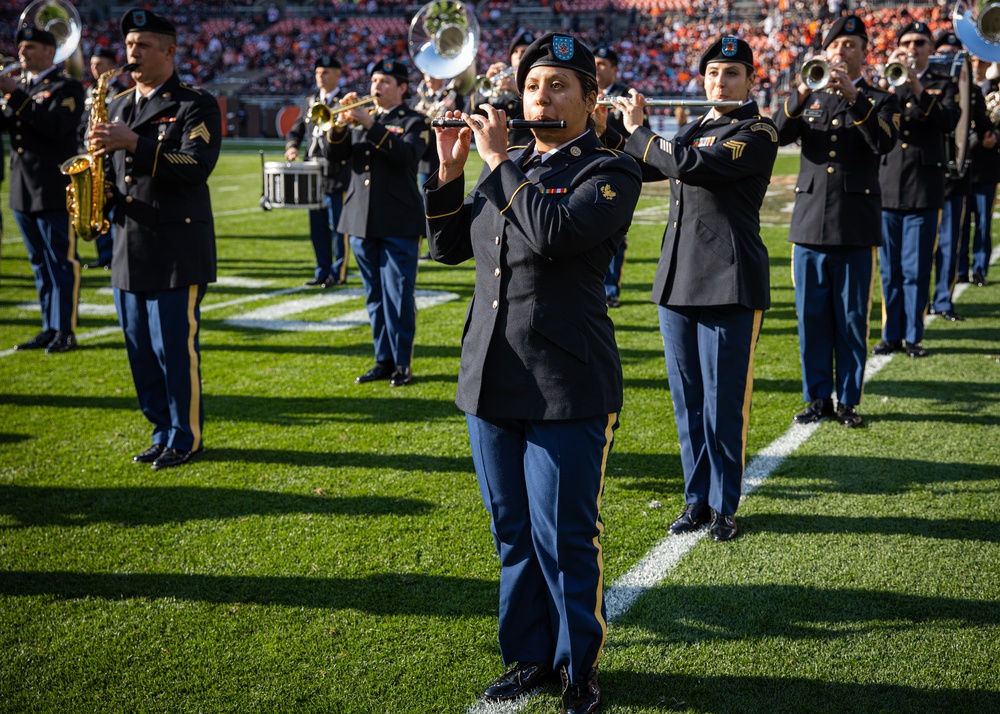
(329, 245)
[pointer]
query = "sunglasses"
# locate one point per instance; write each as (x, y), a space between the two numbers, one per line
(913, 43)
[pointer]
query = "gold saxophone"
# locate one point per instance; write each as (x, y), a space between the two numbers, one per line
(87, 185)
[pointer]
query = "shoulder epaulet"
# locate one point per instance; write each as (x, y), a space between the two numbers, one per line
(188, 87)
(124, 92)
(613, 152)
(522, 146)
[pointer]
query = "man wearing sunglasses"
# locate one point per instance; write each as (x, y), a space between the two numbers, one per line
(912, 178)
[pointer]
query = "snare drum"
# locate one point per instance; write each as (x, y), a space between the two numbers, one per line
(292, 185)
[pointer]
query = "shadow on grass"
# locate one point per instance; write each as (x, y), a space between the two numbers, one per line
(962, 529)
(367, 408)
(384, 594)
(38, 506)
(699, 693)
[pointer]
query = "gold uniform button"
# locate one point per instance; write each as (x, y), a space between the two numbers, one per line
(496, 304)
(128, 179)
(368, 153)
(797, 189)
(675, 224)
(128, 159)
(497, 240)
(18, 137)
(830, 170)
(496, 272)
(367, 168)
(128, 199)
(904, 145)
(909, 105)
(867, 191)
(836, 122)
(187, 220)
(20, 149)
(833, 154)
(906, 132)
(367, 181)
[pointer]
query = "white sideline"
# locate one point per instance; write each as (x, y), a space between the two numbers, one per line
(668, 552)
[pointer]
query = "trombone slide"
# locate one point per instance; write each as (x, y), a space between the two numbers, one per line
(511, 123)
(610, 102)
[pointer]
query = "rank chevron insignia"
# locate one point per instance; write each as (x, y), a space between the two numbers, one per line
(201, 132)
(736, 146)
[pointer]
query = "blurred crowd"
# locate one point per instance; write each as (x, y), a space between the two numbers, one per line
(266, 52)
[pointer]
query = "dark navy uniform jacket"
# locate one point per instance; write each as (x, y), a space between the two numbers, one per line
(984, 166)
(538, 343)
(616, 137)
(382, 198)
(42, 121)
(712, 253)
(337, 174)
(837, 194)
(912, 175)
(164, 230)
(978, 126)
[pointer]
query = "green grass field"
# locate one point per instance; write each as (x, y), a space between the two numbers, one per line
(330, 552)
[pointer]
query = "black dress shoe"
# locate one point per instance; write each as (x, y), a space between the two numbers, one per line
(175, 457)
(401, 377)
(950, 315)
(582, 697)
(847, 415)
(62, 342)
(693, 516)
(962, 278)
(98, 264)
(914, 349)
(149, 455)
(980, 280)
(519, 679)
(817, 409)
(723, 527)
(331, 283)
(613, 301)
(887, 347)
(42, 339)
(315, 281)
(379, 371)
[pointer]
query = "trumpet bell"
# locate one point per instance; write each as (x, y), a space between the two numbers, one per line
(443, 39)
(816, 74)
(322, 116)
(895, 74)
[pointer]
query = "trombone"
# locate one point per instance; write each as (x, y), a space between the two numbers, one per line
(326, 118)
(654, 102)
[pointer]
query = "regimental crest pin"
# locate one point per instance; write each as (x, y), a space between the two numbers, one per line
(139, 18)
(563, 47)
(850, 24)
(387, 67)
(729, 45)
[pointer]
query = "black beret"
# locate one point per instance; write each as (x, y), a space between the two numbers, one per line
(394, 67)
(105, 53)
(525, 37)
(146, 21)
(607, 53)
(950, 39)
(33, 34)
(556, 50)
(848, 25)
(328, 61)
(919, 28)
(727, 49)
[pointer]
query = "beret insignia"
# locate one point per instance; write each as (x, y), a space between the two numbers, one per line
(562, 47)
(729, 46)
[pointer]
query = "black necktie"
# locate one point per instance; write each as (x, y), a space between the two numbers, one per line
(533, 166)
(140, 104)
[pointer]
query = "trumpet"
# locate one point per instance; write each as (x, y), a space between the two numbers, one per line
(326, 118)
(654, 102)
(491, 86)
(816, 73)
(511, 123)
(896, 74)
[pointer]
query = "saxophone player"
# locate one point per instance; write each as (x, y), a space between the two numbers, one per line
(162, 141)
(41, 110)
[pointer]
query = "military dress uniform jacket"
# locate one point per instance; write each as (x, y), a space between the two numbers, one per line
(336, 174)
(42, 121)
(837, 193)
(912, 175)
(382, 198)
(979, 124)
(164, 230)
(712, 253)
(538, 343)
(616, 135)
